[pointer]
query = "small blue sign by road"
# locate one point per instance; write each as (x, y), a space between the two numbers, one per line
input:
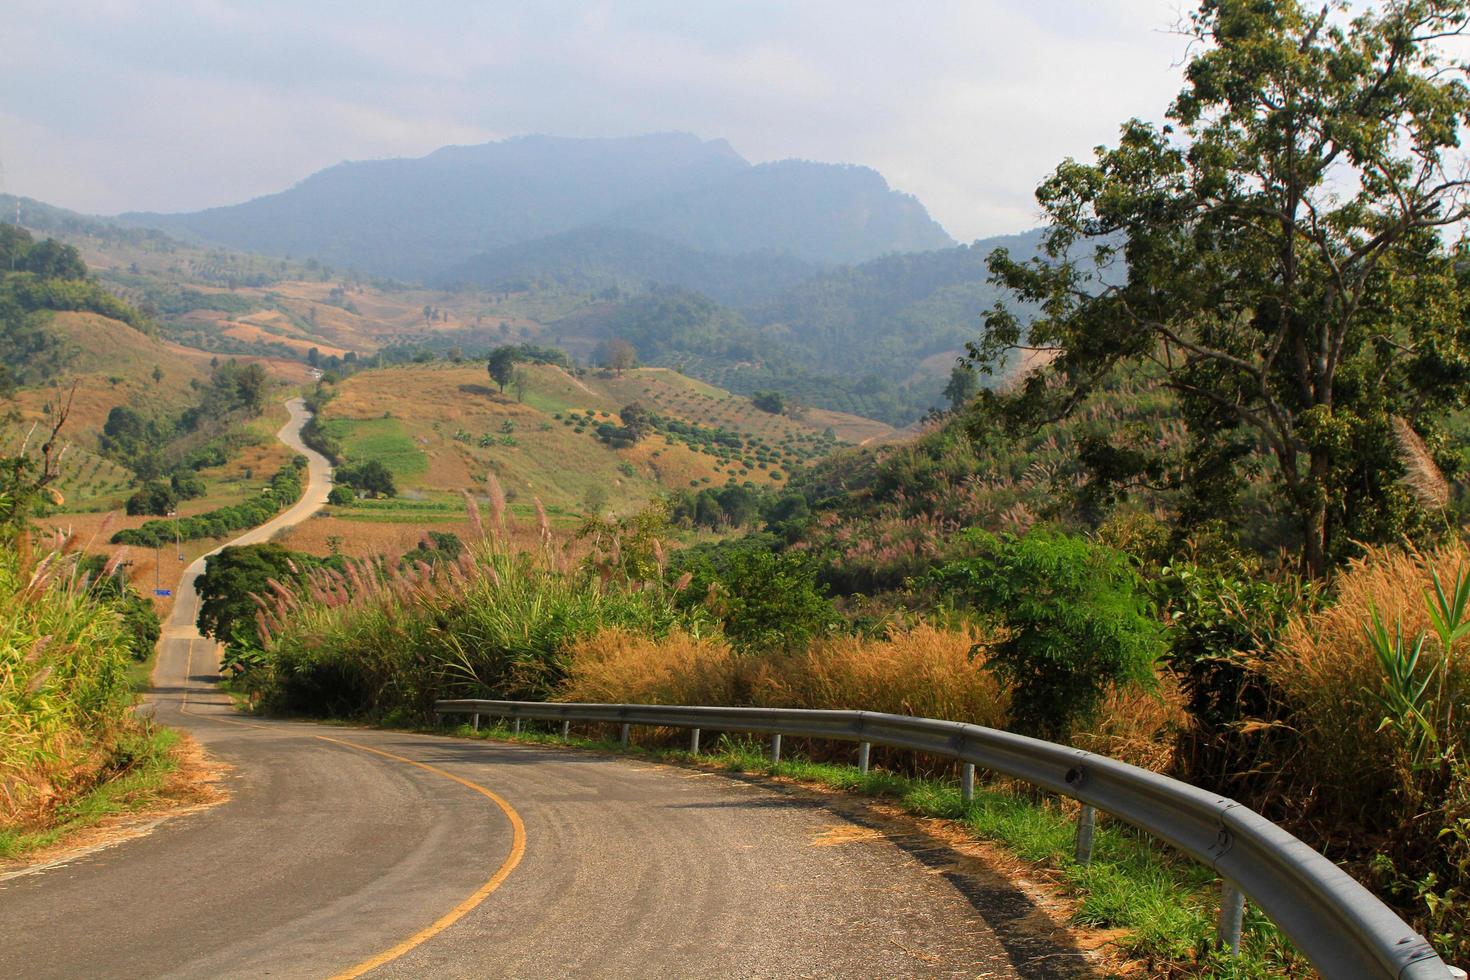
(165, 593)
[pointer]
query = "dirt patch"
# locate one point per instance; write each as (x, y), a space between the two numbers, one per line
(195, 784)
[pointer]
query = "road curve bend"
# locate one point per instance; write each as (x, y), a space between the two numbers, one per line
(345, 852)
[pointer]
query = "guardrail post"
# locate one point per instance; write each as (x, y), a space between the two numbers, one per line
(1232, 913)
(864, 750)
(967, 782)
(477, 721)
(515, 726)
(566, 729)
(624, 736)
(1086, 826)
(776, 747)
(694, 741)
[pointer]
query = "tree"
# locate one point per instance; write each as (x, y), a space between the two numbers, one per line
(233, 576)
(155, 498)
(371, 477)
(964, 383)
(51, 259)
(637, 420)
(1281, 264)
(618, 355)
(1074, 618)
(502, 366)
(519, 380)
(769, 401)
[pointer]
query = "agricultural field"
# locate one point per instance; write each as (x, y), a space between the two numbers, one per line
(444, 428)
(95, 489)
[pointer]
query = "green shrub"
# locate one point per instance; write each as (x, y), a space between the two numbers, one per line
(1223, 633)
(1075, 617)
(764, 600)
(155, 497)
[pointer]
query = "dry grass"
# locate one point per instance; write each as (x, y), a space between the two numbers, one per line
(617, 666)
(1138, 727)
(924, 671)
(1328, 670)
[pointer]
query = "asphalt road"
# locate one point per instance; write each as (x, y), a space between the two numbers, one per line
(345, 852)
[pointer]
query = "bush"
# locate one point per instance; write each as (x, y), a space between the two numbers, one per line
(764, 600)
(342, 496)
(65, 697)
(1223, 634)
(285, 488)
(1377, 685)
(1075, 619)
(368, 640)
(155, 498)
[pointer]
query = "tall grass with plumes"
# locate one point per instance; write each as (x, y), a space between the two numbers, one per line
(924, 671)
(385, 642)
(65, 695)
(1379, 688)
(618, 666)
(1334, 680)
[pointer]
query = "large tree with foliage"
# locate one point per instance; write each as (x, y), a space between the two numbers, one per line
(1275, 255)
(502, 365)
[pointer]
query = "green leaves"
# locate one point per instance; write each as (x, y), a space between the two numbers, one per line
(1074, 617)
(1274, 253)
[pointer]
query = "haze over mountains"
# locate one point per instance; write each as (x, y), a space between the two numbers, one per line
(428, 218)
(815, 280)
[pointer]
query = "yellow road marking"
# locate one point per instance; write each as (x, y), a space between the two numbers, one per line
(517, 851)
(517, 843)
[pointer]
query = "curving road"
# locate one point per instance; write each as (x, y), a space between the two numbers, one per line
(345, 852)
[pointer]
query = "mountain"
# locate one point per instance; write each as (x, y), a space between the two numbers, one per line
(600, 259)
(877, 339)
(422, 218)
(825, 213)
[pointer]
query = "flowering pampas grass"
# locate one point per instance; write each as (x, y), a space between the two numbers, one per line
(1421, 475)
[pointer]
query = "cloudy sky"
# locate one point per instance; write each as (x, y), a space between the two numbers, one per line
(113, 105)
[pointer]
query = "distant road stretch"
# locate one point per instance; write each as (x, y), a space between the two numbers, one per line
(345, 852)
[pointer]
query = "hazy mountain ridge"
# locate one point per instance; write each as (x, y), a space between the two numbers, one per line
(601, 258)
(422, 218)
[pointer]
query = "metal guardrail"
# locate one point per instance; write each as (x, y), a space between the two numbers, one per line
(1341, 927)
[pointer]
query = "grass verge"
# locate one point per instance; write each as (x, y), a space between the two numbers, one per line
(1166, 904)
(138, 780)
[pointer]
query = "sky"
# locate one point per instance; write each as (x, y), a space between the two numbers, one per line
(119, 105)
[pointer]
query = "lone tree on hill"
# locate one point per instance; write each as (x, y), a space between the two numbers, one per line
(502, 366)
(1281, 270)
(618, 355)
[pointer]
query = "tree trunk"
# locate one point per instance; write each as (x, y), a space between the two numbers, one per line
(1314, 540)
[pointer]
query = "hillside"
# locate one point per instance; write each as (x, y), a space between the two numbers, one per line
(112, 364)
(878, 339)
(606, 260)
(442, 428)
(421, 219)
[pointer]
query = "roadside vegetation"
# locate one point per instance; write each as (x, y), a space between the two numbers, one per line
(72, 749)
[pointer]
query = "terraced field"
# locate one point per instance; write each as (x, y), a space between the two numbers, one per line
(443, 428)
